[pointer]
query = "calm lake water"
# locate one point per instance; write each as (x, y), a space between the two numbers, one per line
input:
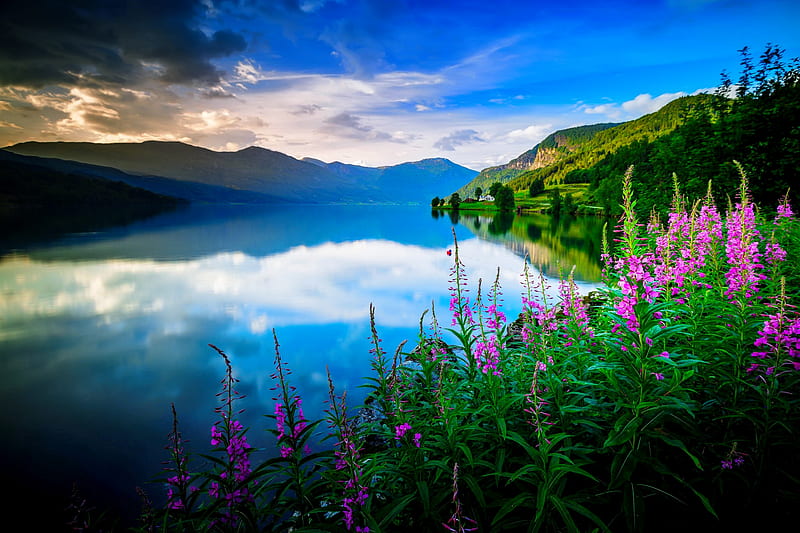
(101, 331)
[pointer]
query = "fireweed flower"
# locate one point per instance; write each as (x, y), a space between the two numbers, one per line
(575, 312)
(778, 339)
(536, 405)
(784, 210)
(496, 318)
(487, 355)
(288, 433)
(228, 436)
(459, 303)
(741, 248)
(458, 522)
(400, 431)
(545, 317)
(179, 483)
(733, 459)
(290, 421)
(462, 311)
(347, 453)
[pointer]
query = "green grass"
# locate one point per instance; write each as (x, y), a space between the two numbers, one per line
(538, 203)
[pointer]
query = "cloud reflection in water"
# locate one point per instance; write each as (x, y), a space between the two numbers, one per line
(99, 348)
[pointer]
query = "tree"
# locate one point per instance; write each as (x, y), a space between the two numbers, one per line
(555, 202)
(435, 201)
(455, 200)
(504, 199)
(478, 192)
(569, 206)
(536, 188)
(494, 188)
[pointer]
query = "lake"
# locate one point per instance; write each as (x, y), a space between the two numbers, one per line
(102, 330)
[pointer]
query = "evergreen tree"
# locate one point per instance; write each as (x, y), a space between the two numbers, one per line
(536, 188)
(555, 202)
(504, 199)
(494, 188)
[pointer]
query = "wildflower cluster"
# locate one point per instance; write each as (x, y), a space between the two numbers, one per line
(778, 339)
(742, 250)
(179, 483)
(581, 414)
(355, 490)
(233, 486)
(734, 459)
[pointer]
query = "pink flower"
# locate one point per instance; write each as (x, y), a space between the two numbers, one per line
(400, 431)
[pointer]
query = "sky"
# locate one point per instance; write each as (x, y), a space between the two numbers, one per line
(364, 81)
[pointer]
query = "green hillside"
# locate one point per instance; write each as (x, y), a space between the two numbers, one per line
(595, 147)
(555, 146)
(706, 141)
(759, 129)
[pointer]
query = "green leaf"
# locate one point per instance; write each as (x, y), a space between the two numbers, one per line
(564, 512)
(392, 509)
(623, 431)
(580, 509)
(509, 506)
(524, 470)
(501, 426)
(475, 488)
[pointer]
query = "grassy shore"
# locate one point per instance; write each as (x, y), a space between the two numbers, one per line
(540, 203)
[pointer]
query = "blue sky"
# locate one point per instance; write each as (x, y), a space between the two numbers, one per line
(360, 81)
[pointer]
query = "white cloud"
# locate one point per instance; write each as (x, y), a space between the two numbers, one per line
(533, 133)
(247, 71)
(642, 104)
(210, 120)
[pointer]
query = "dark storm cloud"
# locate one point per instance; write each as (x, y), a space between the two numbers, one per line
(109, 41)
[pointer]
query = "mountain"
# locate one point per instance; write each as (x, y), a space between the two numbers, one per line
(185, 190)
(426, 175)
(29, 182)
(252, 169)
(263, 171)
(606, 141)
(573, 149)
(553, 147)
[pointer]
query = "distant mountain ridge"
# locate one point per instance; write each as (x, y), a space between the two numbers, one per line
(274, 175)
(186, 190)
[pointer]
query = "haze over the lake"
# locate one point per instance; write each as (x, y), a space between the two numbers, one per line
(360, 81)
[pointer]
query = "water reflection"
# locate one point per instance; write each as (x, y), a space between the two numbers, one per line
(102, 331)
(551, 244)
